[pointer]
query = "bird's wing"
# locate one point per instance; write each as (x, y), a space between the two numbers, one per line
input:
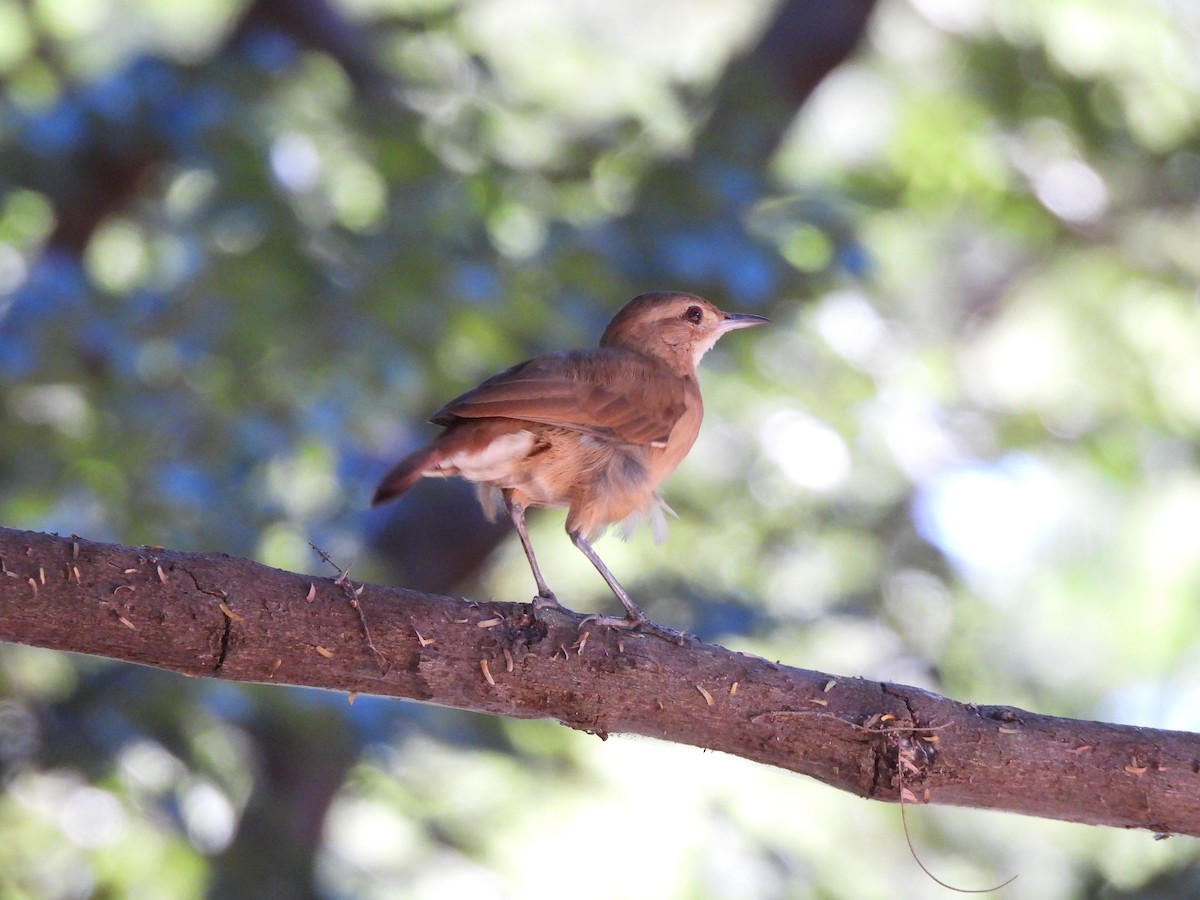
(609, 392)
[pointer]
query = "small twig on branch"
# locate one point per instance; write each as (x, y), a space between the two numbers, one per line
(352, 593)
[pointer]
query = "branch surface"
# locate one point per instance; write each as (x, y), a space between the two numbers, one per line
(213, 615)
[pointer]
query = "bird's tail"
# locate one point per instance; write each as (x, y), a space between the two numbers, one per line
(404, 475)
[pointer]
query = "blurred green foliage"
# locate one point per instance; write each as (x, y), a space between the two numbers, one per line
(964, 456)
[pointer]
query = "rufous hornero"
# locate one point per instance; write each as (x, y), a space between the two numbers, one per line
(593, 430)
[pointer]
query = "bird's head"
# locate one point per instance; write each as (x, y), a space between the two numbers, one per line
(677, 328)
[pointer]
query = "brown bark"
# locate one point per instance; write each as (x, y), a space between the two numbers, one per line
(216, 616)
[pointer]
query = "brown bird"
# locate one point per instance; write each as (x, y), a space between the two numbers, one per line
(593, 430)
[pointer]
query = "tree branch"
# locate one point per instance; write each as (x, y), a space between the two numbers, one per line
(217, 616)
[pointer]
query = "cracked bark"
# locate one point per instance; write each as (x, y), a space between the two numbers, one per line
(225, 635)
(253, 623)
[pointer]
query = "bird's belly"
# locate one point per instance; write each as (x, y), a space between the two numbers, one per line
(602, 481)
(564, 467)
(612, 483)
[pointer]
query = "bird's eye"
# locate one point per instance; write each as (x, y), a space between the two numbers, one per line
(694, 314)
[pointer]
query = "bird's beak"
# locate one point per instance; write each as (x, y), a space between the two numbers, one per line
(734, 321)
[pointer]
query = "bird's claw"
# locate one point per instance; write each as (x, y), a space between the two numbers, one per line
(548, 601)
(642, 624)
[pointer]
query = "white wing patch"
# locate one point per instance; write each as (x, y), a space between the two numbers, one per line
(495, 461)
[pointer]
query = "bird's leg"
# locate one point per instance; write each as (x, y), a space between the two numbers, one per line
(634, 616)
(545, 598)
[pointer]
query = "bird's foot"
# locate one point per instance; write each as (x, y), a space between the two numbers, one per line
(548, 601)
(642, 624)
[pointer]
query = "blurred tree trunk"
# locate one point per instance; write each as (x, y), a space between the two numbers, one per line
(761, 93)
(303, 762)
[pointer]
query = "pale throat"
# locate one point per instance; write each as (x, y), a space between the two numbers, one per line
(703, 345)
